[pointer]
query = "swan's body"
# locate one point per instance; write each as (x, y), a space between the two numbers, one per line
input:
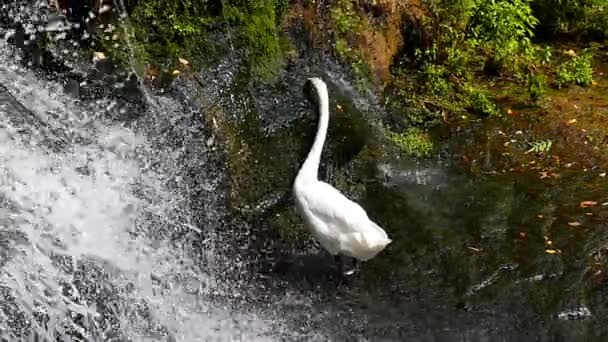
(340, 225)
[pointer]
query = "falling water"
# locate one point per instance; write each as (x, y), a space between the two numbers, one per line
(106, 230)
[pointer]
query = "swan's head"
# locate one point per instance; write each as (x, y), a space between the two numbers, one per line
(314, 89)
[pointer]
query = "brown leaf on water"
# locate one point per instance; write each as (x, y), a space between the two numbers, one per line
(587, 204)
(574, 224)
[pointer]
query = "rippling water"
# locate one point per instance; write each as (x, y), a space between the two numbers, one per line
(106, 231)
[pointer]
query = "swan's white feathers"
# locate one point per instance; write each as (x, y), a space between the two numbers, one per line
(339, 224)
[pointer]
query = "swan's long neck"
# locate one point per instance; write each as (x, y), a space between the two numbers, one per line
(310, 168)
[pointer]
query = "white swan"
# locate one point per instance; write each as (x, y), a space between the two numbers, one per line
(340, 225)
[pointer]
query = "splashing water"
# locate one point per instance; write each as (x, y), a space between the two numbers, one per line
(98, 238)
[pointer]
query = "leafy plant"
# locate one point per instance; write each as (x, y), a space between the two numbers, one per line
(577, 70)
(503, 29)
(435, 78)
(543, 146)
(413, 142)
(479, 102)
(582, 17)
(537, 85)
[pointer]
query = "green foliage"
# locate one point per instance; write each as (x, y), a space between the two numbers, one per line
(479, 102)
(171, 29)
(354, 58)
(345, 18)
(537, 85)
(543, 146)
(503, 30)
(435, 78)
(583, 17)
(413, 142)
(577, 70)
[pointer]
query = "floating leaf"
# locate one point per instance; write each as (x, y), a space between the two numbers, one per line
(574, 224)
(587, 204)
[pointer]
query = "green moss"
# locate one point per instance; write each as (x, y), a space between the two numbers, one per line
(255, 24)
(347, 21)
(413, 142)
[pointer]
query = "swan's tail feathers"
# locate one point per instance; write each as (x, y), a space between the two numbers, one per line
(363, 246)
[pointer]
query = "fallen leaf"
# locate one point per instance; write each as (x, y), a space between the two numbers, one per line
(589, 214)
(474, 249)
(539, 216)
(509, 111)
(587, 204)
(544, 174)
(574, 224)
(522, 234)
(176, 72)
(603, 174)
(593, 82)
(550, 251)
(183, 61)
(570, 122)
(605, 204)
